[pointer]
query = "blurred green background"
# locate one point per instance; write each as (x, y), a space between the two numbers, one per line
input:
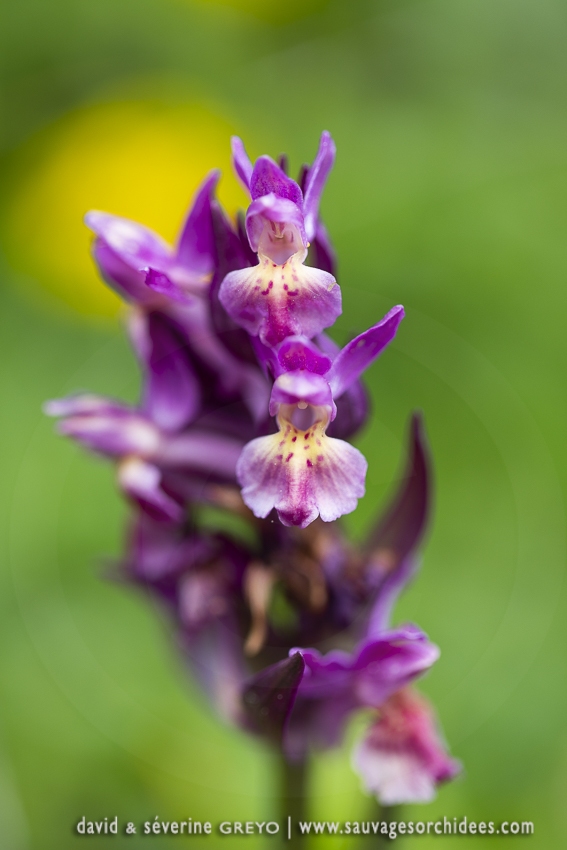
(449, 196)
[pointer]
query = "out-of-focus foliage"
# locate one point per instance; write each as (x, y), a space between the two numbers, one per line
(448, 196)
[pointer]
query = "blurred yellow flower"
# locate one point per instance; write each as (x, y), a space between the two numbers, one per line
(138, 159)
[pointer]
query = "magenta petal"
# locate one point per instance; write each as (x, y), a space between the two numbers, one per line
(85, 404)
(142, 482)
(310, 476)
(163, 285)
(241, 161)
(136, 245)
(267, 178)
(112, 433)
(293, 387)
(359, 353)
(377, 669)
(128, 282)
(297, 352)
(274, 302)
(403, 758)
(352, 406)
(315, 182)
(172, 393)
(335, 684)
(273, 208)
(202, 452)
(195, 247)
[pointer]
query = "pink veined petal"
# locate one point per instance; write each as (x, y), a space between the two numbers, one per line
(274, 302)
(315, 182)
(359, 353)
(302, 475)
(241, 162)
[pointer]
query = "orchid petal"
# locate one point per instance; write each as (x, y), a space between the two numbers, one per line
(268, 178)
(352, 411)
(241, 161)
(402, 757)
(301, 386)
(195, 246)
(141, 481)
(136, 245)
(302, 475)
(272, 208)
(172, 394)
(335, 684)
(112, 433)
(359, 353)
(231, 253)
(126, 281)
(199, 451)
(274, 302)
(378, 668)
(315, 182)
(297, 352)
(163, 285)
(85, 404)
(321, 252)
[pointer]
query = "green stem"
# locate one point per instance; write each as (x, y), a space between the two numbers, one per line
(293, 799)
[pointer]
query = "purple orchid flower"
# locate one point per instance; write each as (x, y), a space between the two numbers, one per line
(300, 471)
(144, 452)
(124, 250)
(336, 684)
(269, 185)
(281, 296)
(402, 758)
(155, 443)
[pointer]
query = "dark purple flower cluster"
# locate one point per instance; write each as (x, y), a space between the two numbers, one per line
(246, 409)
